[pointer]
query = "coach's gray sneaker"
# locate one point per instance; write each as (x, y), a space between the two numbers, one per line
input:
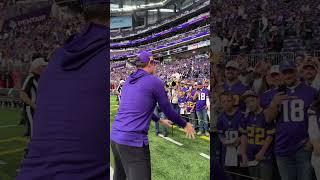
(207, 133)
(199, 133)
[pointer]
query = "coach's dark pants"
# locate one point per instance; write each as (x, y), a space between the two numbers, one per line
(131, 162)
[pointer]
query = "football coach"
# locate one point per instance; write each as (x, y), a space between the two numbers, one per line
(129, 135)
(70, 137)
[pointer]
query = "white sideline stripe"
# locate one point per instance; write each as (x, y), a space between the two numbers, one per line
(8, 126)
(205, 156)
(171, 140)
(111, 173)
(114, 105)
(2, 162)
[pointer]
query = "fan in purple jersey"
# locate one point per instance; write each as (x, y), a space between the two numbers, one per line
(256, 139)
(228, 126)
(233, 84)
(182, 100)
(201, 96)
(287, 106)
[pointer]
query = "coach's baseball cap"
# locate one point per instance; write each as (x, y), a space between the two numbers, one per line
(287, 64)
(274, 69)
(144, 56)
(38, 62)
(93, 2)
(232, 64)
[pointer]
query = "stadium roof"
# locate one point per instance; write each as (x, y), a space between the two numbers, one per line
(129, 6)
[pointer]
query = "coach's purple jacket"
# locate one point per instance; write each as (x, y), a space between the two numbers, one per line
(71, 137)
(140, 94)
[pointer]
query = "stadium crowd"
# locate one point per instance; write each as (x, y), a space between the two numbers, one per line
(187, 85)
(261, 113)
(192, 7)
(266, 25)
(21, 45)
(164, 41)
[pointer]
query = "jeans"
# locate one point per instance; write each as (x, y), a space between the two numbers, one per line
(161, 115)
(193, 119)
(263, 170)
(131, 163)
(315, 160)
(176, 108)
(203, 120)
(296, 166)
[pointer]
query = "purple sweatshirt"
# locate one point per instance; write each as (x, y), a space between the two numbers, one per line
(140, 94)
(71, 139)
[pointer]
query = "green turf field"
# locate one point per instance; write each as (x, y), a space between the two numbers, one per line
(172, 162)
(169, 161)
(12, 143)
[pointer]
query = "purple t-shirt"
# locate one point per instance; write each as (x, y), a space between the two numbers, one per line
(292, 121)
(255, 127)
(140, 94)
(228, 127)
(202, 99)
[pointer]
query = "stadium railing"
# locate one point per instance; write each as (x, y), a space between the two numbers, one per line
(273, 58)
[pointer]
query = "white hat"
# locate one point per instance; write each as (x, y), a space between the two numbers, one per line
(37, 62)
(233, 64)
(274, 69)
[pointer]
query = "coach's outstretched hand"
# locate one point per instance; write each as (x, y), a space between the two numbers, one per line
(189, 131)
(166, 123)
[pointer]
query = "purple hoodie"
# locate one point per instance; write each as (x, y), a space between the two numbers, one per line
(140, 94)
(70, 125)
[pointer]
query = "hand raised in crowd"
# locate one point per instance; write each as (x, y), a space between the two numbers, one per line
(279, 98)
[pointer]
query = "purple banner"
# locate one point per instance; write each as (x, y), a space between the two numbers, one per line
(33, 17)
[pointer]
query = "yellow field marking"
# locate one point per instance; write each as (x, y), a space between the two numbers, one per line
(8, 140)
(11, 151)
(14, 139)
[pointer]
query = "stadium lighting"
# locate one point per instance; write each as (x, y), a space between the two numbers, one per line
(130, 8)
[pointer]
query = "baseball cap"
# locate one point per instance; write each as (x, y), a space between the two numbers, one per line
(249, 93)
(287, 64)
(37, 62)
(232, 64)
(93, 2)
(274, 69)
(310, 64)
(144, 56)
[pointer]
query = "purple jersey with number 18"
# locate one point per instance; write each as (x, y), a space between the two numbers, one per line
(292, 120)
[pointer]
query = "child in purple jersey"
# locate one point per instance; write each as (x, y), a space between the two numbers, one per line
(182, 99)
(228, 126)
(256, 139)
(287, 107)
(201, 96)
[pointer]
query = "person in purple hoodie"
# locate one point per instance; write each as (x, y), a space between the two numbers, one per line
(70, 137)
(129, 135)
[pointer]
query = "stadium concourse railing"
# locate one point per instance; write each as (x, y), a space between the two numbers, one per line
(273, 58)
